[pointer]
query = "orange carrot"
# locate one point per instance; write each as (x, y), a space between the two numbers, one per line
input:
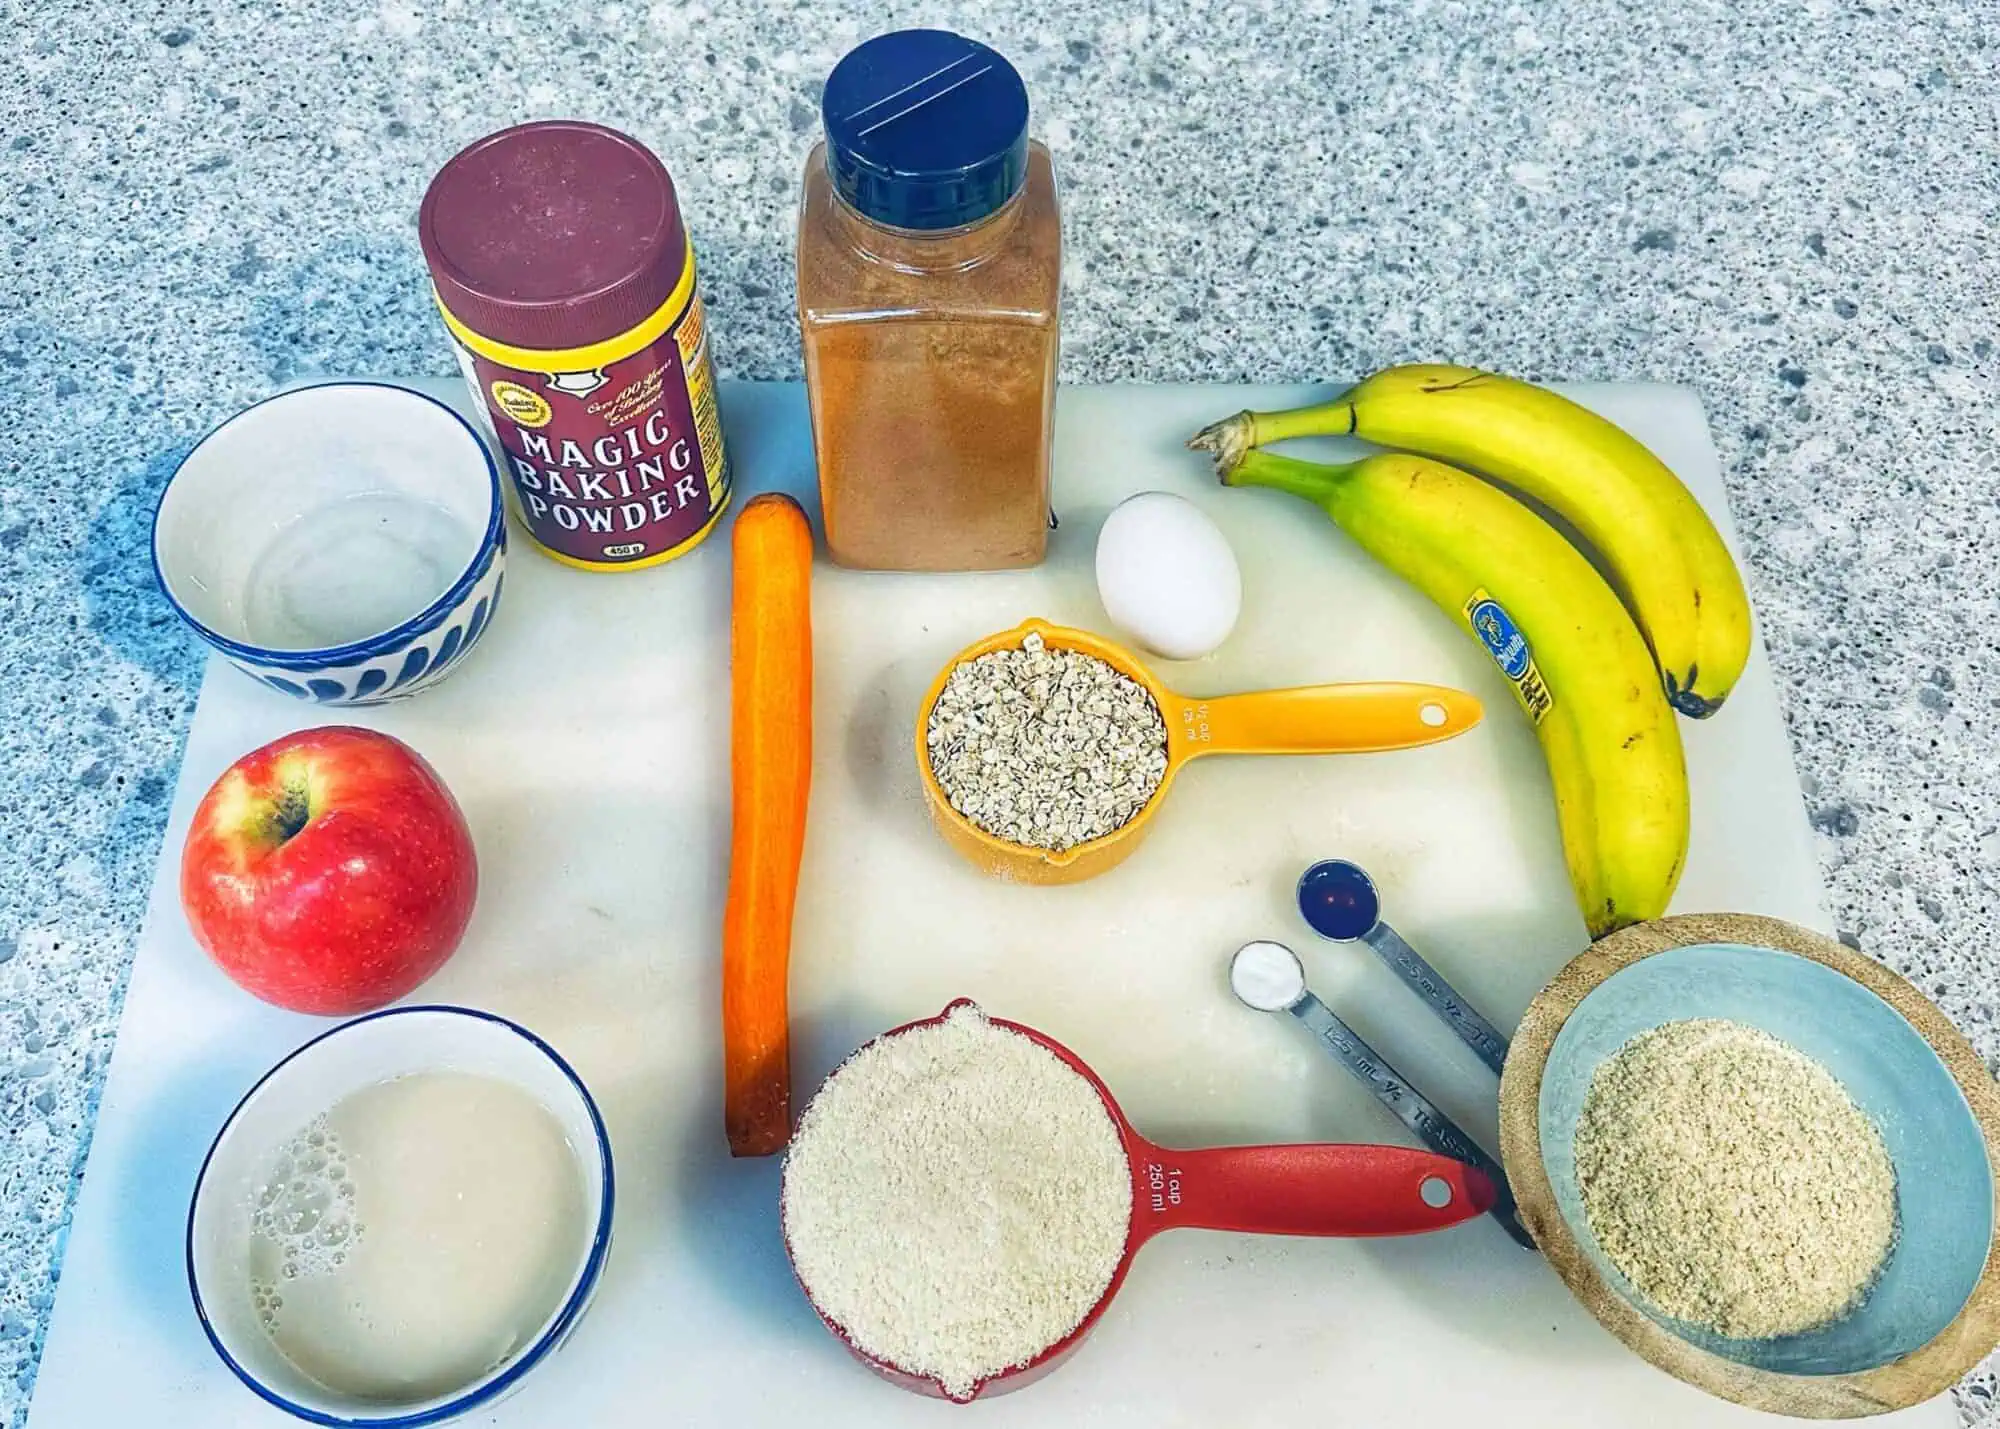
(770, 771)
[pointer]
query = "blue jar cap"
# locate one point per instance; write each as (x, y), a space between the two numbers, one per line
(925, 129)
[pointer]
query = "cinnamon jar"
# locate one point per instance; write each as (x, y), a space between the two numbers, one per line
(929, 268)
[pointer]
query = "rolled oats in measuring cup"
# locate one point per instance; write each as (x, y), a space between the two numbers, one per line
(566, 278)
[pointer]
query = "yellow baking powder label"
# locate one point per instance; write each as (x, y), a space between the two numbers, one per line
(521, 406)
(614, 452)
(692, 336)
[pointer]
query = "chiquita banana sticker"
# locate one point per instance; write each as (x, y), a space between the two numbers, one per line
(1510, 651)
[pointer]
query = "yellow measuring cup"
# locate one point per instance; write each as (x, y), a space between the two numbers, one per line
(1359, 718)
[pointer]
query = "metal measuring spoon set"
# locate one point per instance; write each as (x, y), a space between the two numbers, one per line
(1339, 902)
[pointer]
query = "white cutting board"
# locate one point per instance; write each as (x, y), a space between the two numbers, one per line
(588, 743)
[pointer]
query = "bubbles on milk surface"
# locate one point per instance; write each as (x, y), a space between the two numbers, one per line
(303, 1220)
(416, 1235)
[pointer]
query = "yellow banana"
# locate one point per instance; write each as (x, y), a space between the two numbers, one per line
(1663, 551)
(1560, 635)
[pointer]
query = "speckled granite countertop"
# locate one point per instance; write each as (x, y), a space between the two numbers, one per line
(1789, 206)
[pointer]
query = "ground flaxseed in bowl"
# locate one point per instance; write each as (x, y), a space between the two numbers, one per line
(956, 1199)
(1733, 1181)
(1046, 748)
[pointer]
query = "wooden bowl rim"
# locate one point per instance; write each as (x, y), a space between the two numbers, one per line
(1920, 1375)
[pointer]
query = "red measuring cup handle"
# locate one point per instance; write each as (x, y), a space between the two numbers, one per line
(1309, 1189)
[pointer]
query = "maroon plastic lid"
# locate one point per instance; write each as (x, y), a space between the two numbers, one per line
(555, 234)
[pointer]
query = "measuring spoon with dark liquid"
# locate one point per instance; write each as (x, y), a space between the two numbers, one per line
(1339, 902)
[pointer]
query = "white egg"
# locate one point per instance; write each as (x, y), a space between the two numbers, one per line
(1167, 577)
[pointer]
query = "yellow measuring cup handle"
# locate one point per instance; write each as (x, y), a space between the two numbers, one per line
(1327, 719)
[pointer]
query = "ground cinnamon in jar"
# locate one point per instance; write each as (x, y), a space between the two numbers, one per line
(929, 266)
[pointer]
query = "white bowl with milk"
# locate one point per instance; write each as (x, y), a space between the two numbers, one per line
(401, 1219)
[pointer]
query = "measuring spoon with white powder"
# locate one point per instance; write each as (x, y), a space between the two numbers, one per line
(941, 1129)
(1269, 977)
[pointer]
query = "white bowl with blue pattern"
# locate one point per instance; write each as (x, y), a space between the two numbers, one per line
(343, 543)
(395, 1042)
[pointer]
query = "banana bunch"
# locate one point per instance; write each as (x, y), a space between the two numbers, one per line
(1598, 690)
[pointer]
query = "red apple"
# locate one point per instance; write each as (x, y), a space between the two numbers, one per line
(330, 871)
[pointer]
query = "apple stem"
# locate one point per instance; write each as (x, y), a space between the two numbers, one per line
(292, 812)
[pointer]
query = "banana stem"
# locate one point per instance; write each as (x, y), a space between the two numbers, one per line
(1313, 480)
(1327, 419)
(1228, 439)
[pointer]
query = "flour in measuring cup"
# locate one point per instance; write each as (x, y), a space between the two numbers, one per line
(956, 1199)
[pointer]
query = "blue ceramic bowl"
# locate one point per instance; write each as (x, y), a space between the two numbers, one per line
(343, 543)
(399, 1041)
(1944, 1182)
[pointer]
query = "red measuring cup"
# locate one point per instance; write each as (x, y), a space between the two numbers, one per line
(1311, 1188)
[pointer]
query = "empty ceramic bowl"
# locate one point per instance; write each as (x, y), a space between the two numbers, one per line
(246, 1182)
(1934, 1310)
(343, 543)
